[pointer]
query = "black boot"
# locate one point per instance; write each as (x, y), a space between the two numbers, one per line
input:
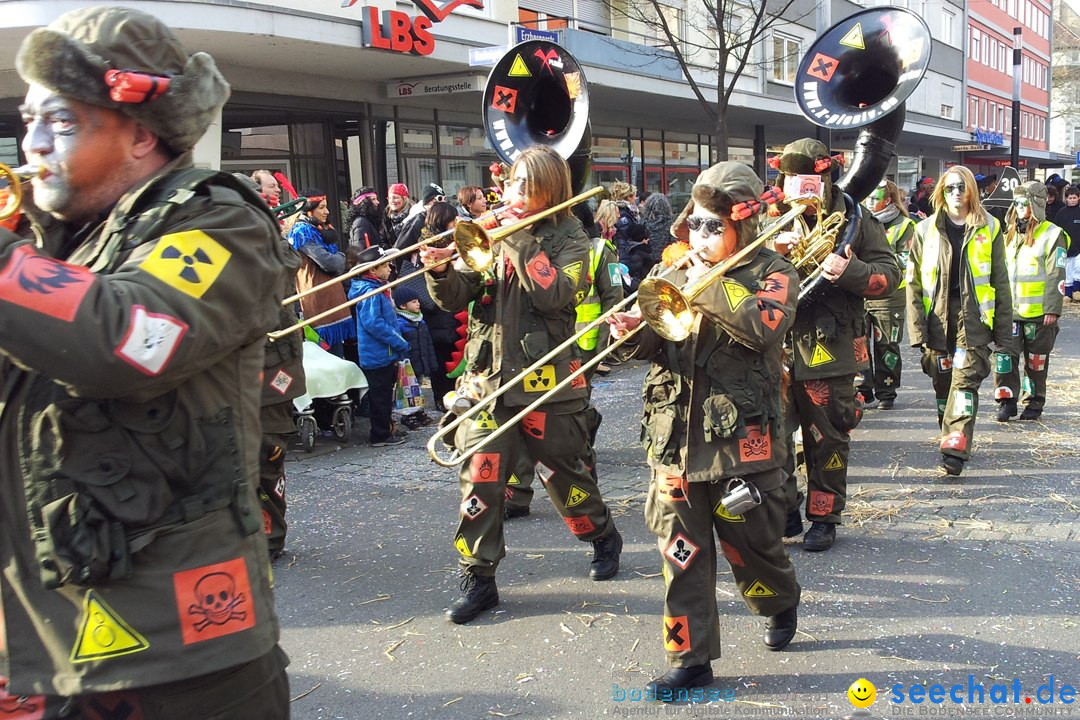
(515, 512)
(605, 562)
(820, 536)
(952, 465)
(794, 523)
(664, 688)
(886, 404)
(1006, 410)
(780, 628)
(478, 594)
(1029, 413)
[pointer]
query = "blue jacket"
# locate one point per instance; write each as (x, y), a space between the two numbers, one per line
(378, 341)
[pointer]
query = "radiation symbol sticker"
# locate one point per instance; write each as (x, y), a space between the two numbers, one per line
(541, 379)
(188, 261)
(484, 421)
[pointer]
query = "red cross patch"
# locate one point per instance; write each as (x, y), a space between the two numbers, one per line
(1036, 363)
(954, 441)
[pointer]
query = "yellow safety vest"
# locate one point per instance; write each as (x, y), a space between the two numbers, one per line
(589, 308)
(1027, 270)
(979, 252)
(893, 234)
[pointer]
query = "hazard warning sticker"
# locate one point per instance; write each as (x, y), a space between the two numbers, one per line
(576, 496)
(759, 590)
(103, 634)
(214, 600)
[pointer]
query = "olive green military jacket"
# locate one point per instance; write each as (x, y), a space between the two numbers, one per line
(130, 356)
(900, 232)
(829, 338)
(523, 308)
(713, 401)
(929, 329)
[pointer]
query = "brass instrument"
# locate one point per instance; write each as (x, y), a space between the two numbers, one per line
(475, 246)
(14, 177)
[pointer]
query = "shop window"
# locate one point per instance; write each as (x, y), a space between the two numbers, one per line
(460, 141)
(255, 142)
(417, 138)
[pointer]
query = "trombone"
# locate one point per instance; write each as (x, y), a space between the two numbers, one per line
(475, 246)
(14, 178)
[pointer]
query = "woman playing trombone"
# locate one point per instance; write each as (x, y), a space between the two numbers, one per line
(521, 308)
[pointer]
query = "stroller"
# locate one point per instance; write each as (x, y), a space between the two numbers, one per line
(329, 380)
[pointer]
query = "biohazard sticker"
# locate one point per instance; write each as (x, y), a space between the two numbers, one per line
(821, 503)
(963, 403)
(954, 441)
(573, 271)
(484, 468)
(485, 421)
(732, 554)
(876, 285)
(853, 38)
(579, 382)
(45, 285)
(944, 363)
(676, 634)
(721, 512)
(540, 380)
(541, 270)
(518, 68)
(473, 507)
(462, 547)
(1003, 393)
(1036, 363)
(672, 488)
(543, 472)
(103, 634)
(735, 293)
(681, 551)
(822, 67)
(188, 261)
(835, 462)
(576, 496)
(152, 339)
(759, 590)
(214, 600)
(535, 423)
(504, 99)
(756, 446)
(859, 347)
(580, 525)
(820, 356)
(282, 381)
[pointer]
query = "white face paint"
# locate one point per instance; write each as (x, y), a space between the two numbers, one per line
(1023, 209)
(52, 139)
(955, 202)
(714, 246)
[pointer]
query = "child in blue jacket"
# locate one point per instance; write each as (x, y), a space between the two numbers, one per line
(379, 343)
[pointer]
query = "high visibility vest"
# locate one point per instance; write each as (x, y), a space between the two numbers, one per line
(589, 308)
(979, 252)
(1027, 269)
(893, 234)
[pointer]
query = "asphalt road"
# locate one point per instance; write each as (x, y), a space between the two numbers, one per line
(933, 579)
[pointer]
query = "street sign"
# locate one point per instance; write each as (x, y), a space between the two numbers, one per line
(1078, 159)
(520, 34)
(970, 147)
(486, 55)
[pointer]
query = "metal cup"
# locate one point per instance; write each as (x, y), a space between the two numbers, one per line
(740, 497)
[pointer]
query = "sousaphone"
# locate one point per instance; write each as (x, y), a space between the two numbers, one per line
(537, 95)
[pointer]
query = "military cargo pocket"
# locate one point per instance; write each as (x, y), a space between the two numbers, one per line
(536, 345)
(659, 433)
(477, 355)
(82, 545)
(721, 417)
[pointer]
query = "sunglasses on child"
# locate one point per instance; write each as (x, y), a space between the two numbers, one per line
(708, 226)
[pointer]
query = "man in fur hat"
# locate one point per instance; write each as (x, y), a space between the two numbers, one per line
(829, 339)
(131, 344)
(714, 415)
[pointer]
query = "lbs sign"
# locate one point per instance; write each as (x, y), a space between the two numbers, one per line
(399, 32)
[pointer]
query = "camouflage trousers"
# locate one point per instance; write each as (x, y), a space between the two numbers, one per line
(684, 516)
(1035, 341)
(956, 379)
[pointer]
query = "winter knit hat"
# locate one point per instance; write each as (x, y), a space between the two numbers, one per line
(431, 192)
(403, 294)
(719, 188)
(1035, 193)
(399, 189)
(172, 94)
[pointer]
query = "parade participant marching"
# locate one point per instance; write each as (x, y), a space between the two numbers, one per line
(886, 316)
(714, 419)
(958, 303)
(135, 577)
(829, 340)
(524, 306)
(1035, 255)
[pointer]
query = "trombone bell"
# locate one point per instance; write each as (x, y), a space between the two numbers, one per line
(665, 308)
(474, 245)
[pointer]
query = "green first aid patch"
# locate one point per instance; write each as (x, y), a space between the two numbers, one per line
(615, 273)
(963, 403)
(1061, 257)
(1002, 363)
(890, 358)
(1029, 330)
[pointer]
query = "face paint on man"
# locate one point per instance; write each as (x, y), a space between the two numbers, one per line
(955, 194)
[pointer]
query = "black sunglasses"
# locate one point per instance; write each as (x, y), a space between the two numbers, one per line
(956, 187)
(708, 226)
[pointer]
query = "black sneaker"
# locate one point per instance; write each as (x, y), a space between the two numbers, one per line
(885, 404)
(1006, 410)
(1030, 414)
(606, 550)
(479, 593)
(952, 465)
(395, 439)
(515, 512)
(665, 688)
(820, 536)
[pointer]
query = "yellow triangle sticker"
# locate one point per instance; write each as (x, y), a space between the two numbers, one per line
(759, 590)
(462, 546)
(723, 514)
(854, 38)
(835, 463)
(484, 421)
(821, 356)
(103, 633)
(576, 496)
(513, 480)
(518, 69)
(573, 271)
(736, 294)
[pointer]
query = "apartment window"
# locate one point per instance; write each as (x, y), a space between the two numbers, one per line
(1012, 8)
(785, 58)
(1023, 124)
(1003, 58)
(948, 25)
(973, 111)
(974, 49)
(1001, 117)
(1076, 136)
(982, 113)
(948, 93)
(991, 120)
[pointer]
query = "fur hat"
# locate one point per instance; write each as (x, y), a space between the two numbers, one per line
(1035, 193)
(73, 53)
(719, 188)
